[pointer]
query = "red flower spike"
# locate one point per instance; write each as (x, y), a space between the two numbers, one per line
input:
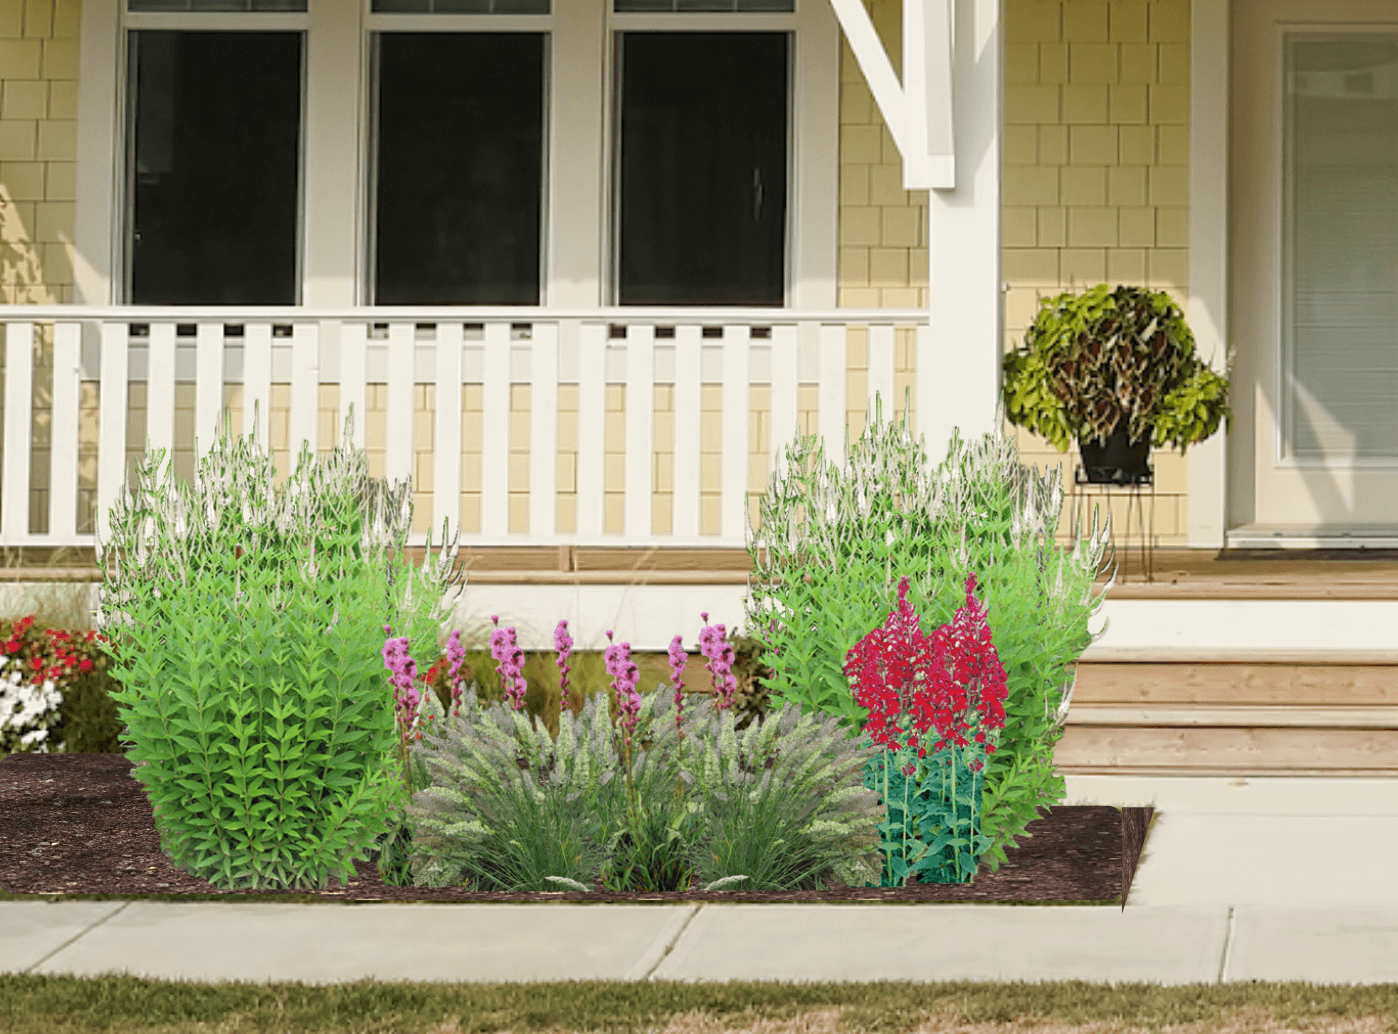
(947, 675)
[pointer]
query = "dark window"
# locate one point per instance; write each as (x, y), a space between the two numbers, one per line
(214, 167)
(459, 151)
(702, 195)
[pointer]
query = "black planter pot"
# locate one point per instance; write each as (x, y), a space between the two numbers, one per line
(1117, 462)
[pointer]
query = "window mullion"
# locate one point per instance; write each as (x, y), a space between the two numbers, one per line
(579, 66)
(332, 205)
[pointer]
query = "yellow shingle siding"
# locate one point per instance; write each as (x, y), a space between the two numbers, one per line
(1095, 187)
(38, 148)
(883, 228)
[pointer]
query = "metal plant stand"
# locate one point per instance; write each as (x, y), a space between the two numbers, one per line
(1080, 494)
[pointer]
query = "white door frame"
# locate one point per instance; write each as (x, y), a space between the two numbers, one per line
(1269, 489)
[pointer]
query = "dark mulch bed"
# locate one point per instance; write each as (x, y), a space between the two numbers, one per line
(80, 825)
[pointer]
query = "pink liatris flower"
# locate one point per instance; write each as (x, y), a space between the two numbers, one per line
(563, 643)
(624, 678)
(504, 649)
(678, 659)
(720, 658)
(406, 696)
(456, 654)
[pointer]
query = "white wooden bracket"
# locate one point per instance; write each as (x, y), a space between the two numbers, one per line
(918, 112)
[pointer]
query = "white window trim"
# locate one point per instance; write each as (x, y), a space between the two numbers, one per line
(335, 208)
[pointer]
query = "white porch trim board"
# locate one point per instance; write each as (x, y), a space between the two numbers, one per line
(573, 212)
(1210, 60)
(101, 64)
(333, 156)
(965, 293)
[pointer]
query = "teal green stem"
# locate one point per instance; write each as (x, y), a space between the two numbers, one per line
(955, 816)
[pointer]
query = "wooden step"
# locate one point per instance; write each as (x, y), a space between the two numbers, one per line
(1190, 716)
(1106, 683)
(1231, 719)
(1242, 751)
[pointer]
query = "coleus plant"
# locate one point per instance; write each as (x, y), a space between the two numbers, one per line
(934, 683)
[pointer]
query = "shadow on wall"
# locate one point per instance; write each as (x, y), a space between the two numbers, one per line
(21, 270)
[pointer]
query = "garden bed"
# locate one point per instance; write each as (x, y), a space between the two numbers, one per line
(78, 825)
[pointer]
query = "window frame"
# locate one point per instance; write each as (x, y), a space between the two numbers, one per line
(368, 209)
(124, 192)
(618, 26)
(333, 247)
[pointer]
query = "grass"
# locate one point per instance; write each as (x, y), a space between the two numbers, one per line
(36, 1004)
(60, 1005)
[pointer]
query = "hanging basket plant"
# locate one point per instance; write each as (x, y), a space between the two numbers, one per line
(1117, 371)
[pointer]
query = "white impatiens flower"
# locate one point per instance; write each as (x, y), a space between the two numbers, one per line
(26, 710)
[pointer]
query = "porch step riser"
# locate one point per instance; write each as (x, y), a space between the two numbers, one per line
(1121, 750)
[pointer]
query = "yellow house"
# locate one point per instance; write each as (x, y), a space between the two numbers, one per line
(639, 242)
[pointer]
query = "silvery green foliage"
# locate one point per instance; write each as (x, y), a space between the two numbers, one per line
(813, 763)
(165, 534)
(471, 757)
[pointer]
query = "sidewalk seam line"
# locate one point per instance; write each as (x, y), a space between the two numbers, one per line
(1227, 942)
(650, 973)
(77, 936)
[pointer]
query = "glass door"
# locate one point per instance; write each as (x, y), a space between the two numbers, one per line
(1314, 246)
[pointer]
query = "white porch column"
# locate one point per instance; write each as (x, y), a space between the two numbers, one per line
(958, 369)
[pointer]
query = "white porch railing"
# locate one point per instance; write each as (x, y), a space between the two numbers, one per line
(406, 346)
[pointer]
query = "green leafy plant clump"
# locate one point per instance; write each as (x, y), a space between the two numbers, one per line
(259, 723)
(833, 545)
(1092, 360)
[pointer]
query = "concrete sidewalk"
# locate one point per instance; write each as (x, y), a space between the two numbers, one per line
(1260, 879)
